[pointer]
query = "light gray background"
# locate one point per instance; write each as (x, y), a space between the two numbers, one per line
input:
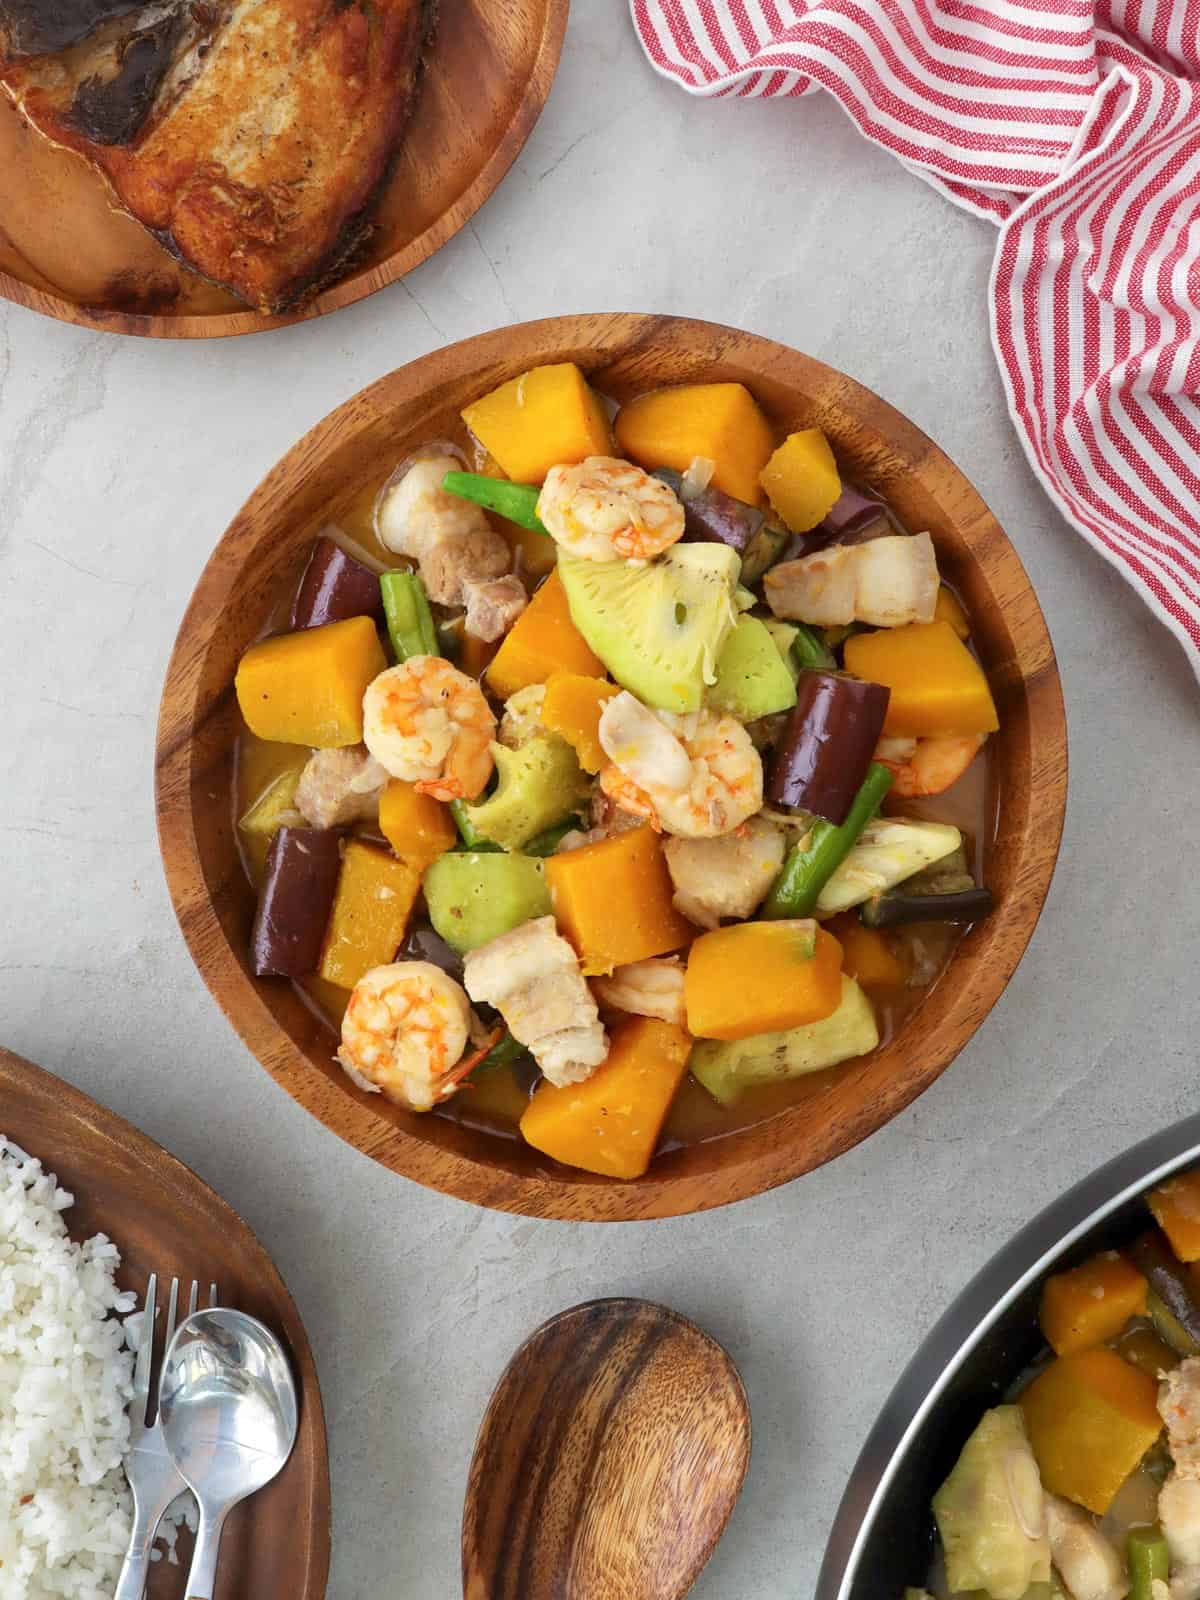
(121, 461)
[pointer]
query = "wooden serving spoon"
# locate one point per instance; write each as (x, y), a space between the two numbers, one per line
(608, 1461)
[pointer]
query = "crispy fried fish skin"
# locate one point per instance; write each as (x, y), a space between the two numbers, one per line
(270, 135)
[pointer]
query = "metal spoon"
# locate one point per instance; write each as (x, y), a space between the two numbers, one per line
(227, 1403)
(608, 1461)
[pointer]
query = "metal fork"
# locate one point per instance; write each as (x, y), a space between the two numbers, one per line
(149, 1469)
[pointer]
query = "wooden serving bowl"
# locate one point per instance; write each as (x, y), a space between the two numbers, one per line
(360, 442)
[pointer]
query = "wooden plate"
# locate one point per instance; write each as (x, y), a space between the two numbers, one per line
(359, 444)
(164, 1219)
(64, 250)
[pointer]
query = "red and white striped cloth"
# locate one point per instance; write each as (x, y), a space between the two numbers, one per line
(1074, 125)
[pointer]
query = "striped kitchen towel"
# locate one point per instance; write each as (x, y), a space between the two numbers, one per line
(1074, 126)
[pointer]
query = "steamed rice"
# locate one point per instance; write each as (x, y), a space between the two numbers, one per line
(65, 1381)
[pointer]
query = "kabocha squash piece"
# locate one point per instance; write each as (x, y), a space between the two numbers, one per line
(546, 416)
(801, 479)
(534, 553)
(718, 421)
(613, 901)
(538, 784)
(867, 954)
(330, 999)
(611, 1122)
(419, 828)
(542, 641)
(572, 709)
(1091, 1303)
(307, 687)
(1176, 1208)
(761, 977)
(938, 687)
(374, 898)
(1091, 1418)
(727, 1067)
(947, 608)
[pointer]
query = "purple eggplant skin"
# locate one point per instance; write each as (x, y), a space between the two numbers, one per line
(855, 518)
(334, 587)
(295, 901)
(823, 755)
(713, 517)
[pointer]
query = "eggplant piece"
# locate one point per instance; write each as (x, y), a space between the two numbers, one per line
(295, 901)
(1168, 1281)
(891, 910)
(425, 944)
(856, 517)
(713, 517)
(334, 587)
(826, 748)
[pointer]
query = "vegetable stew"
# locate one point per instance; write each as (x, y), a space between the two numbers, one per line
(584, 721)
(1085, 1483)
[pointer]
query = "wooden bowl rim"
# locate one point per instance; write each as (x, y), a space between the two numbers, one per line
(585, 1198)
(357, 285)
(74, 1107)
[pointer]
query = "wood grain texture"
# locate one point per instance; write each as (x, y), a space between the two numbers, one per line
(608, 1461)
(164, 1219)
(65, 252)
(361, 442)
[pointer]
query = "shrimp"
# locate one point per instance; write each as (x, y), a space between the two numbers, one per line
(405, 1030)
(695, 776)
(429, 724)
(927, 766)
(609, 510)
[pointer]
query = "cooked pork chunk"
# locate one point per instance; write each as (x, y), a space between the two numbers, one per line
(493, 605)
(450, 538)
(1087, 1562)
(728, 876)
(533, 979)
(338, 787)
(646, 989)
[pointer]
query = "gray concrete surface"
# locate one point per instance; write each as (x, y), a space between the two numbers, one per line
(121, 462)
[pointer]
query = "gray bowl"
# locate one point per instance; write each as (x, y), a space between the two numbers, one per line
(882, 1536)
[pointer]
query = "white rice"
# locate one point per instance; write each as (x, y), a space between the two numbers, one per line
(65, 1380)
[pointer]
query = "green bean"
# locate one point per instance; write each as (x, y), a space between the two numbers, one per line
(548, 841)
(1147, 1558)
(817, 857)
(809, 650)
(502, 1054)
(515, 501)
(409, 619)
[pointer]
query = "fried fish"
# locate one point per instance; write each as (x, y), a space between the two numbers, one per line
(251, 137)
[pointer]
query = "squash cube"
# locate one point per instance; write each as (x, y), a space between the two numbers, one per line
(418, 827)
(375, 895)
(1091, 1303)
(1091, 1418)
(612, 900)
(543, 640)
(948, 608)
(802, 480)
(719, 421)
(938, 687)
(307, 687)
(572, 708)
(1176, 1208)
(761, 977)
(545, 417)
(611, 1122)
(867, 954)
